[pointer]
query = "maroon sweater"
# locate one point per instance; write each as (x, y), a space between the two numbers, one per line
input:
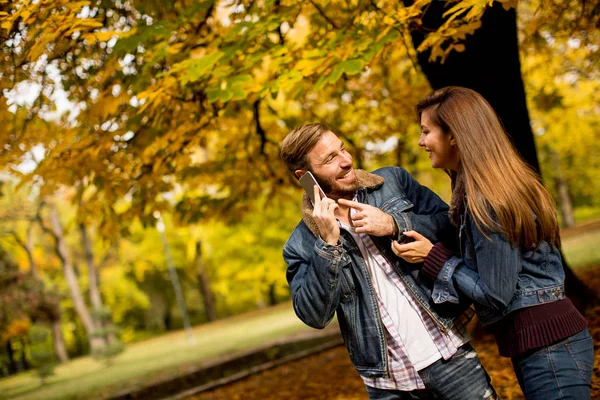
(524, 329)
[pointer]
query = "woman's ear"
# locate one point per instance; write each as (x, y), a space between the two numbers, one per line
(452, 140)
(299, 173)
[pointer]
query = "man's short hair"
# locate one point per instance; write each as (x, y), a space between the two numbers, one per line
(298, 143)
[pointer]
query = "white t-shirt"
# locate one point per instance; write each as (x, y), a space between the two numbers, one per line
(419, 345)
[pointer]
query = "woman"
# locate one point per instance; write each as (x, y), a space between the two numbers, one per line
(508, 260)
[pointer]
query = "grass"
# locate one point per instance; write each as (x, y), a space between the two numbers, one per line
(154, 359)
(580, 250)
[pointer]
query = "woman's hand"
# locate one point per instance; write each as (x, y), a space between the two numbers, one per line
(413, 252)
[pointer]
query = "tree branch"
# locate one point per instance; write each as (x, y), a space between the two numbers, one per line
(320, 10)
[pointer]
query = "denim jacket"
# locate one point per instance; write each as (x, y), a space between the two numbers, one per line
(498, 277)
(326, 279)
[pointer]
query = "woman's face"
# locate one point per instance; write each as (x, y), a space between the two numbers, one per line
(441, 147)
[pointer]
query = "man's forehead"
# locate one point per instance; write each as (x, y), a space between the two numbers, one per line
(328, 143)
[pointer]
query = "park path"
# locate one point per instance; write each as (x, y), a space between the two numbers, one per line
(327, 375)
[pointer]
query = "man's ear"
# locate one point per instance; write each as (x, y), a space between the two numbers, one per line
(299, 173)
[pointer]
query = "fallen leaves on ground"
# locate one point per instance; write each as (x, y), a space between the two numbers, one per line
(330, 375)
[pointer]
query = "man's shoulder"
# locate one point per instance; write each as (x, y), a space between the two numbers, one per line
(392, 176)
(299, 234)
(392, 172)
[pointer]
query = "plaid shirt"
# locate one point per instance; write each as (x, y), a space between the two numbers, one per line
(401, 373)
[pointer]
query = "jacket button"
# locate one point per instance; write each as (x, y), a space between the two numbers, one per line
(557, 292)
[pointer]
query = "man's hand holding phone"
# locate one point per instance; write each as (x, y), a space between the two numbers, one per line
(324, 216)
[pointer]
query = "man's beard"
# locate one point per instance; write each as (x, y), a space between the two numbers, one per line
(332, 188)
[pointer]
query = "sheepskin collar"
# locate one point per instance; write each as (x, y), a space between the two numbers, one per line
(365, 180)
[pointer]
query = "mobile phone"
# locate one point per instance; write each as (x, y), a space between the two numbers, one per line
(308, 182)
(405, 239)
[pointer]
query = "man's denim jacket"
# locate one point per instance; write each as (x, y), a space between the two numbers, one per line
(498, 277)
(325, 279)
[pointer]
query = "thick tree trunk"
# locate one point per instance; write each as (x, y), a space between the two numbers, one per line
(56, 230)
(490, 65)
(204, 285)
(60, 349)
(562, 189)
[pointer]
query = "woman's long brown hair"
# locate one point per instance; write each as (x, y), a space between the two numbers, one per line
(503, 193)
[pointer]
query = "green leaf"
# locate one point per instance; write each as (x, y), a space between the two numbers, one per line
(390, 36)
(353, 67)
(313, 53)
(320, 83)
(338, 70)
(240, 79)
(197, 68)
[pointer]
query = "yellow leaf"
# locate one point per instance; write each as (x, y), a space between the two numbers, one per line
(105, 36)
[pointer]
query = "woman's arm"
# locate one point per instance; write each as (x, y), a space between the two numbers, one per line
(493, 282)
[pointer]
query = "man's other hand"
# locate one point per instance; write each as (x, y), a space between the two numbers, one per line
(370, 220)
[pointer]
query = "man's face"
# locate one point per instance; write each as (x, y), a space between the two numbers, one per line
(331, 165)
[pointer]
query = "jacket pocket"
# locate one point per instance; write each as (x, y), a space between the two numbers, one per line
(397, 204)
(347, 285)
(347, 322)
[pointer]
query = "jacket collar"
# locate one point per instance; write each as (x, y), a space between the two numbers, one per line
(366, 180)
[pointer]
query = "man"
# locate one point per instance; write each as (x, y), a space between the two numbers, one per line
(340, 260)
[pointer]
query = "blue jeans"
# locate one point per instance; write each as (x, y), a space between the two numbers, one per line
(462, 377)
(559, 371)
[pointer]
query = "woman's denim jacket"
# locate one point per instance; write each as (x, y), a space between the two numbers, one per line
(325, 279)
(498, 277)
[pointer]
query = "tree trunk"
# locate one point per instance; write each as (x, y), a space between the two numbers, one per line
(204, 283)
(59, 342)
(58, 339)
(175, 281)
(29, 251)
(94, 282)
(24, 361)
(95, 298)
(56, 230)
(562, 189)
(12, 364)
(27, 246)
(490, 65)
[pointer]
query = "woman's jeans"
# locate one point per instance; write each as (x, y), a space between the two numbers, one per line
(559, 371)
(462, 377)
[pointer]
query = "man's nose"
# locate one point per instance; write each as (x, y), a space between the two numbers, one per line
(346, 160)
